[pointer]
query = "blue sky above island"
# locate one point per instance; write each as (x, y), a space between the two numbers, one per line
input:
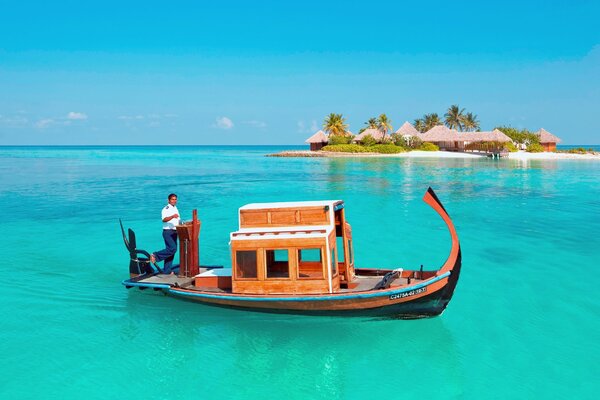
(268, 72)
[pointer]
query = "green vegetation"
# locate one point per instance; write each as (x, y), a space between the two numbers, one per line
(510, 146)
(470, 122)
(455, 118)
(370, 124)
(384, 124)
(339, 139)
(368, 140)
(346, 148)
(535, 148)
(427, 122)
(577, 150)
(427, 146)
(520, 136)
(387, 148)
(335, 124)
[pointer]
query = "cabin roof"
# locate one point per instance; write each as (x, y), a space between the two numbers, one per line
(289, 232)
(290, 204)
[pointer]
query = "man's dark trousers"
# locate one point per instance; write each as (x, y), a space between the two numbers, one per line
(167, 254)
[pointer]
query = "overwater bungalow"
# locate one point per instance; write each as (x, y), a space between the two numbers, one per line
(444, 137)
(317, 141)
(452, 140)
(547, 140)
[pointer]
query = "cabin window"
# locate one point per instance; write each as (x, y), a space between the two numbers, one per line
(333, 262)
(245, 264)
(340, 245)
(310, 264)
(278, 264)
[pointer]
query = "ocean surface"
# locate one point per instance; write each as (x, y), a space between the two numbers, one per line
(524, 321)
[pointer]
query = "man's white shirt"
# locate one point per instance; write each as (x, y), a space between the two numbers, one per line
(167, 212)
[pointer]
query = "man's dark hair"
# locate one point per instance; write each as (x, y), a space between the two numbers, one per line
(171, 195)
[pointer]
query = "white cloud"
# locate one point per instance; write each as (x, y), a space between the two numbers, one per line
(223, 123)
(44, 123)
(130, 117)
(304, 128)
(255, 123)
(76, 115)
(13, 121)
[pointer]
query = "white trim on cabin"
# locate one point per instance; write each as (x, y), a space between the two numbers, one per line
(289, 204)
(290, 228)
(269, 236)
(328, 266)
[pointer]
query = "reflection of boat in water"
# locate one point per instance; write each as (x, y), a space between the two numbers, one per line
(297, 257)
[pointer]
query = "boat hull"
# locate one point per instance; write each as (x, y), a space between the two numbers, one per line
(425, 299)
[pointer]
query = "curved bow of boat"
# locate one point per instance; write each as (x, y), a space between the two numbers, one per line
(454, 261)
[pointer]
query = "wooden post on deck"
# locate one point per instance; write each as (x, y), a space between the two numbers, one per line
(188, 234)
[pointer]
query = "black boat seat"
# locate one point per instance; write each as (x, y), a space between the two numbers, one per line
(137, 265)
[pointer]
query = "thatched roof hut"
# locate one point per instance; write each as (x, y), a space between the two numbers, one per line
(440, 133)
(407, 129)
(485, 136)
(318, 137)
(547, 140)
(547, 137)
(376, 133)
(317, 141)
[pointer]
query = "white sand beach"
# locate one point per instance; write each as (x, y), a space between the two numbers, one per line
(521, 155)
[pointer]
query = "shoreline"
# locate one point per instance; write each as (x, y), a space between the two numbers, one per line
(520, 155)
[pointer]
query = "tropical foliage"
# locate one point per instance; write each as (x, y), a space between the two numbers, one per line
(339, 139)
(346, 148)
(454, 117)
(470, 122)
(419, 124)
(368, 140)
(335, 124)
(535, 148)
(387, 148)
(521, 136)
(431, 120)
(426, 146)
(370, 124)
(384, 125)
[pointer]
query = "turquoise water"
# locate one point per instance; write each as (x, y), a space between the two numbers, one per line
(524, 321)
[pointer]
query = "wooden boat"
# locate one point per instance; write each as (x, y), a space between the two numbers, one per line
(299, 258)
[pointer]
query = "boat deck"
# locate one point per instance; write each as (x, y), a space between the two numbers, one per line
(362, 283)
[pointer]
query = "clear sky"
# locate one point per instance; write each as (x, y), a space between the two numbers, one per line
(259, 72)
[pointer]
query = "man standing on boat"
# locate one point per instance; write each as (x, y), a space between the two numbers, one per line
(170, 220)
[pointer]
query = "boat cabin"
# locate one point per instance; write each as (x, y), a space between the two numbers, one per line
(292, 248)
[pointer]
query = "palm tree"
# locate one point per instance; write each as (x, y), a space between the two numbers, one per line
(370, 124)
(335, 124)
(419, 124)
(454, 117)
(470, 122)
(384, 124)
(431, 120)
